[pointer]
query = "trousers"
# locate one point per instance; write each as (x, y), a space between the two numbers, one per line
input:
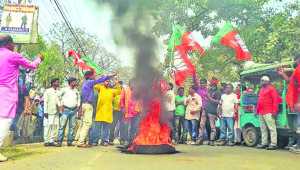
(117, 118)
(4, 128)
(267, 122)
(50, 128)
(87, 110)
(211, 118)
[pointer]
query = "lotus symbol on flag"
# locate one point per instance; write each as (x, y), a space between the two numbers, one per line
(179, 63)
(241, 42)
(79, 60)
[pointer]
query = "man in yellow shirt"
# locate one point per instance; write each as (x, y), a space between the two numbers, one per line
(104, 113)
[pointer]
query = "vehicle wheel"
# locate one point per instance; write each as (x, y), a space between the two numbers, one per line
(251, 136)
(282, 142)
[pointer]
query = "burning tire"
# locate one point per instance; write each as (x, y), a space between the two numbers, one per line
(153, 137)
(153, 149)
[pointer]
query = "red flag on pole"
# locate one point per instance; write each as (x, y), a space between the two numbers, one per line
(182, 65)
(80, 62)
(229, 36)
(191, 43)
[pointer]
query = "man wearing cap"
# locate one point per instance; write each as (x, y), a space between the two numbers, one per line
(267, 107)
(9, 71)
(213, 99)
(293, 97)
(87, 96)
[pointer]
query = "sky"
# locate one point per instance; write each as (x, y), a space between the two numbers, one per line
(89, 16)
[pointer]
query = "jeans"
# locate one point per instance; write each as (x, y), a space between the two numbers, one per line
(134, 125)
(227, 123)
(180, 124)
(68, 114)
(193, 128)
(117, 131)
(124, 126)
(96, 132)
(117, 118)
(40, 128)
(14, 126)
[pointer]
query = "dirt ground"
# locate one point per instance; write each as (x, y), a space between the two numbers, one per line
(188, 157)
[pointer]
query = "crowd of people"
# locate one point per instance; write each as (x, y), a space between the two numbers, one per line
(102, 106)
(203, 106)
(108, 109)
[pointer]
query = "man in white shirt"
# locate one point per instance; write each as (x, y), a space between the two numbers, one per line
(192, 113)
(228, 109)
(70, 102)
(51, 119)
(170, 107)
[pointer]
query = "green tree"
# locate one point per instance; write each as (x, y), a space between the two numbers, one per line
(51, 66)
(30, 51)
(57, 64)
(269, 34)
(204, 15)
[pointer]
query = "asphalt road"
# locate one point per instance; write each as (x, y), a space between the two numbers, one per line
(189, 157)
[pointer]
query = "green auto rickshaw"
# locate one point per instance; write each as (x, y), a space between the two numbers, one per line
(286, 120)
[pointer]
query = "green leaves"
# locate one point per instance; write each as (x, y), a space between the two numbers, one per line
(56, 63)
(51, 67)
(270, 34)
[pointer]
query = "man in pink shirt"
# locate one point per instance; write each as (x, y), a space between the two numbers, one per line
(9, 71)
(130, 117)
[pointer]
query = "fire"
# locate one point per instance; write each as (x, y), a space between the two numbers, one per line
(151, 131)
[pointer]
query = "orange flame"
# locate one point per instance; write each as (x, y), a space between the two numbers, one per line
(151, 131)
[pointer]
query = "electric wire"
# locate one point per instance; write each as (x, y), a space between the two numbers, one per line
(70, 27)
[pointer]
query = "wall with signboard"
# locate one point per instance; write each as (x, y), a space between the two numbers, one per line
(20, 21)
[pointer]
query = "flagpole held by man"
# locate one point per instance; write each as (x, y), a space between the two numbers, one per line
(87, 96)
(9, 71)
(182, 41)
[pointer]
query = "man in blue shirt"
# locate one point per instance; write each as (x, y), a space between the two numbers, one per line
(87, 96)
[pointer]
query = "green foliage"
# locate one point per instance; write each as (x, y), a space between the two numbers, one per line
(269, 34)
(51, 66)
(30, 51)
(203, 15)
(57, 64)
(280, 37)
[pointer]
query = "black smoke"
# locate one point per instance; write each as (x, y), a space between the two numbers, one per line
(131, 27)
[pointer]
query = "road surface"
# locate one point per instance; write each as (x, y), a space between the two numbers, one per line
(189, 157)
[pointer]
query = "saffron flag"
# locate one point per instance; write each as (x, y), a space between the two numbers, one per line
(182, 65)
(191, 43)
(85, 63)
(180, 42)
(181, 36)
(293, 89)
(229, 36)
